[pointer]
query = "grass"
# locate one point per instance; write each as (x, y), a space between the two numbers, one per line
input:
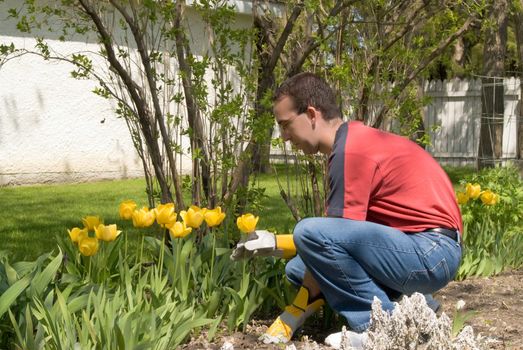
(32, 216)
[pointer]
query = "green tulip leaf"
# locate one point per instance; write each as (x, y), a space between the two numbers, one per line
(43, 279)
(11, 294)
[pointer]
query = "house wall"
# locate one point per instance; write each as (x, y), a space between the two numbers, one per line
(53, 128)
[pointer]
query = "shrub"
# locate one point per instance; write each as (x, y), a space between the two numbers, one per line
(491, 202)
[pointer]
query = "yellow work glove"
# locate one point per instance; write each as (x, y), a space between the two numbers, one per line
(292, 318)
(264, 243)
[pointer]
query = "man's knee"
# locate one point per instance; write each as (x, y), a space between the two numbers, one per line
(303, 233)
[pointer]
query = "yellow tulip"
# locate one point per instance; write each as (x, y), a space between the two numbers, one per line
(489, 198)
(143, 217)
(107, 233)
(90, 222)
(214, 217)
(77, 234)
(193, 217)
(462, 197)
(247, 222)
(88, 246)
(473, 190)
(165, 214)
(179, 229)
(126, 209)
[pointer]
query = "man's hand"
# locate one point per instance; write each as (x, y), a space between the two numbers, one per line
(257, 243)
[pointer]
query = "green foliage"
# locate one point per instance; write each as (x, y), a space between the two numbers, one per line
(196, 274)
(493, 234)
(377, 50)
(117, 301)
(459, 319)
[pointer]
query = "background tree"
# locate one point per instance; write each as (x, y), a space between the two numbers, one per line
(163, 90)
(517, 21)
(376, 55)
(492, 108)
(373, 52)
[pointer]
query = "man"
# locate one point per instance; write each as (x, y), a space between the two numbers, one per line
(392, 227)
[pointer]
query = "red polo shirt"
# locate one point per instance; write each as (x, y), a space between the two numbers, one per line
(387, 179)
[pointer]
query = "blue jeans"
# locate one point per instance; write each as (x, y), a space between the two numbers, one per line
(355, 261)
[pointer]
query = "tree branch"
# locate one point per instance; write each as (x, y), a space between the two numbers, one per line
(423, 64)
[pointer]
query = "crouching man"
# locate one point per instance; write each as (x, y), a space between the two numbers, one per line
(392, 227)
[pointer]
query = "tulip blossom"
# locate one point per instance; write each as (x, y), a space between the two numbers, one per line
(90, 222)
(489, 198)
(193, 217)
(88, 246)
(473, 190)
(143, 217)
(126, 209)
(77, 234)
(165, 214)
(179, 230)
(462, 197)
(247, 223)
(107, 233)
(214, 217)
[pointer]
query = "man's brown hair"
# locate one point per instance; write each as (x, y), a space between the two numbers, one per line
(308, 89)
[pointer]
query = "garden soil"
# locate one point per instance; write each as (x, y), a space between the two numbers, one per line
(496, 303)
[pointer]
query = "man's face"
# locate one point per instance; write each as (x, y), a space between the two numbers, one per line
(294, 127)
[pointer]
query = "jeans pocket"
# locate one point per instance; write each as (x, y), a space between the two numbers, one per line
(426, 242)
(428, 280)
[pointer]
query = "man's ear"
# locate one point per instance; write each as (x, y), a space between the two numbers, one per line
(313, 114)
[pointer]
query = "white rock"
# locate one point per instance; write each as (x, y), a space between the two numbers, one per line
(227, 346)
(460, 304)
(411, 324)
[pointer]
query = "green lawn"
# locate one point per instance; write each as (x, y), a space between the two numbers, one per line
(32, 216)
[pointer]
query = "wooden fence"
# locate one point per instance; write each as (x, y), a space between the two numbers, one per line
(453, 119)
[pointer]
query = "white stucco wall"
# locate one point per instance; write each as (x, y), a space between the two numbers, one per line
(53, 128)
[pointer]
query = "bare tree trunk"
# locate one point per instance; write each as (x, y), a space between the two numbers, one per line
(201, 167)
(518, 26)
(292, 64)
(458, 56)
(269, 51)
(138, 36)
(146, 120)
(266, 81)
(492, 106)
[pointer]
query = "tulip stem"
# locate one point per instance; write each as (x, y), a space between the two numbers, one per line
(162, 252)
(177, 260)
(141, 253)
(125, 242)
(213, 253)
(89, 269)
